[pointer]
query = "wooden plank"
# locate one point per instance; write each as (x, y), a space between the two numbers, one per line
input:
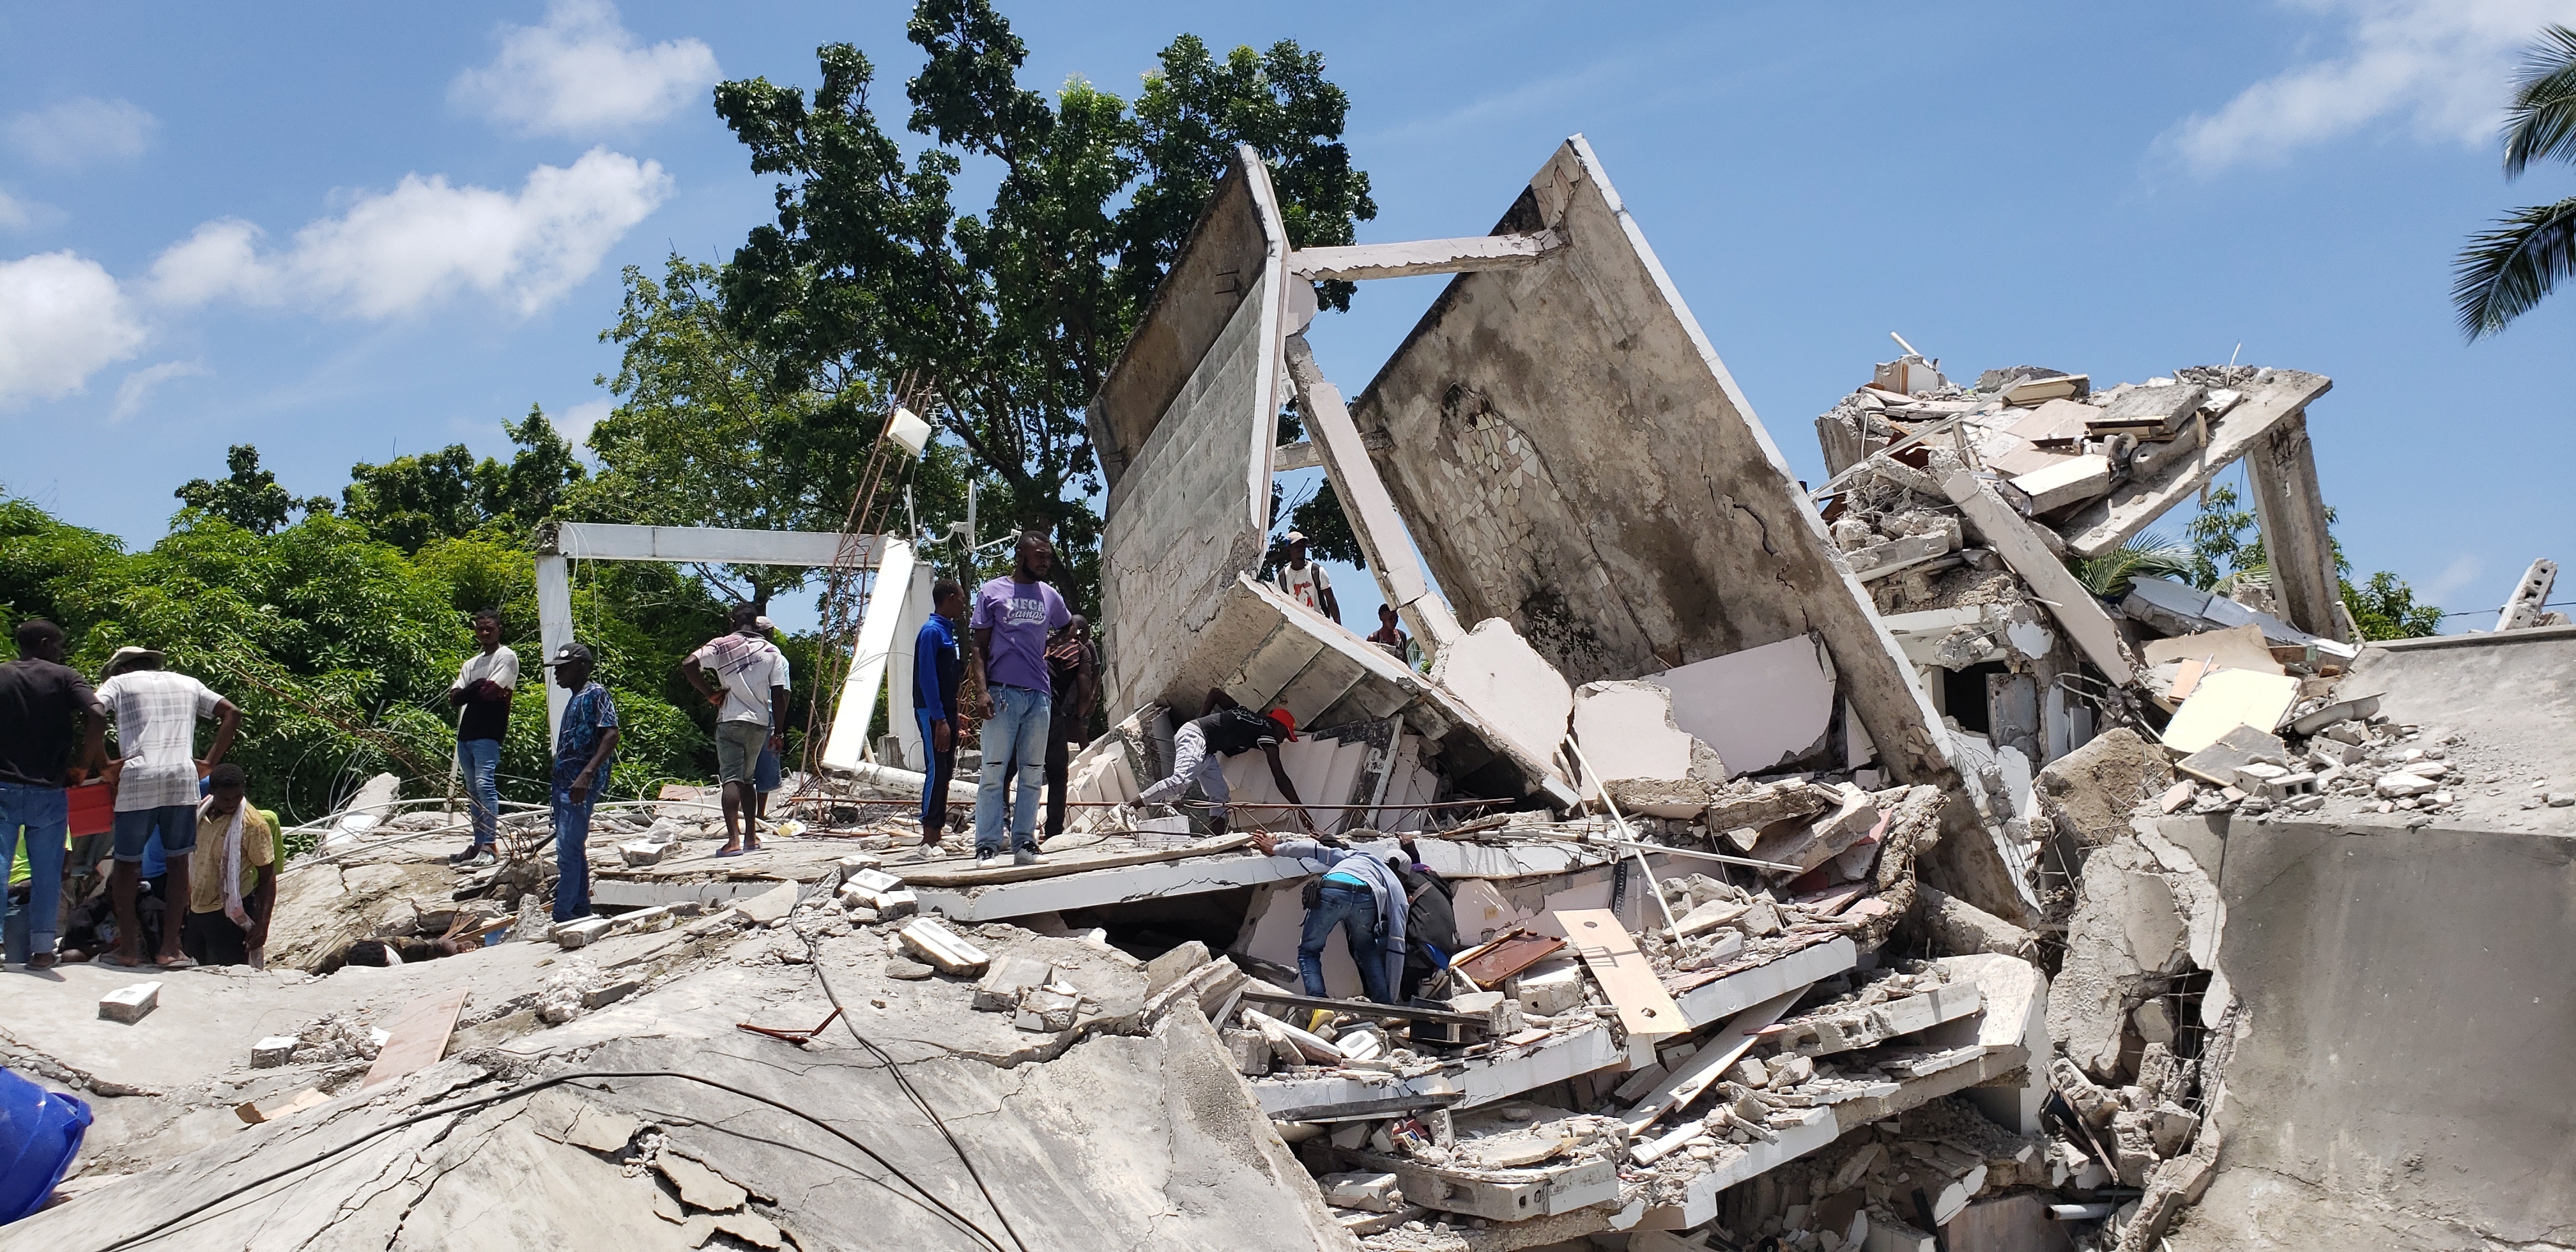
(1705, 1066)
(1507, 956)
(2074, 606)
(1026, 873)
(1598, 936)
(2117, 518)
(418, 1037)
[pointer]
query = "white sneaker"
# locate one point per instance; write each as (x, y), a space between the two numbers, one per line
(928, 852)
(1026, 857)
(995, 861)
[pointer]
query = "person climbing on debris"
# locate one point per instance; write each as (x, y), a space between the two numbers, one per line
(1073, 666)
(481, 697)
(1359, 894)
(1304, 582)
(46, 710)
(156, 714)
(938, 671)
(1430, 922)
(1224, 729)
(232, 883)
(1014, 615)
(583, 746)
(750, 692)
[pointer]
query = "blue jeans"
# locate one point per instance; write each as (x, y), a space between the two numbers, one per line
(43, 816)
(480, 759)
(1354, 909)
(1014, 738)
(572, 852)
(937, 768)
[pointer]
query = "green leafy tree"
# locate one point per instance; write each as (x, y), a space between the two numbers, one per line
(411, 500)
(2512, 266)
(248, 496)
(1015, 314)
(2153, 555)
(2382, 605)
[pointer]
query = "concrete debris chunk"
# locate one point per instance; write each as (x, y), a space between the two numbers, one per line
(701, 1188)
(130, 1004)
(770, 905)
(273, 1051)
(642, 854)
(934, 943)
(1378, 1193)
(999, 992)
(581, 931)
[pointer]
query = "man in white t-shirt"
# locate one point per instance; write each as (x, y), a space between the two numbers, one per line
(750, 692)
(481, 695)
(1304, 581)
(156, 714)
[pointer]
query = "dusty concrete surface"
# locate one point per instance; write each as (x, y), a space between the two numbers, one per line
(2404, 1081)
(2511, 696)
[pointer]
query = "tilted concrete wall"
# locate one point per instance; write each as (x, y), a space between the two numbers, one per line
(1191, 509)
(1579, 462)
(2407, 1081)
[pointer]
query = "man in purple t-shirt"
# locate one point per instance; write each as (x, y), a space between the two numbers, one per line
(1012, 618)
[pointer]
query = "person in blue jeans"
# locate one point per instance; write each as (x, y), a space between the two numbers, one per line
(938, 667)
(1362, 897)
(46, 708)
(583, 746)
(156, 714)
(1013, 617)
(481, 696)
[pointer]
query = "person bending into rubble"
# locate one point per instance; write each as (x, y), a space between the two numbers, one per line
(156, 714)
(232, 886)
(481, 697)
(750, 692)
(1014, 615)
(1430, 922)
(1357, 893)
(583, 746)
(1225, 729)
(938, 671)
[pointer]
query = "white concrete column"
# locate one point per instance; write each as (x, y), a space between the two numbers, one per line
(1365, 502)
(2291, 513)
(554, 630)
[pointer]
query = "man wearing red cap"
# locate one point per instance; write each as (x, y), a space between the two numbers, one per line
(1201, 745)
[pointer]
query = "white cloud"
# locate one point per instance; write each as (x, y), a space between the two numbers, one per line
(81, 131)
(138, 386)
(576, 422)
(2440, 69)
(62, 319)
(15, 214)
(2454, 579)
(583, 73)
(398, 251)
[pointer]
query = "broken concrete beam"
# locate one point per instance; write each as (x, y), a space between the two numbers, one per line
(999, 992)
(1868, 1025)
(2071, 481)
(2149, 412)
(1510, 1195)
(581, 931)
(130, 1004)
(2021, 548)
(1425, 256)
(1954, 925)
(1769, 804)
(1807, 847)
(943, 949)
(1376, 1192)
(1880, 560)
(2115, 519)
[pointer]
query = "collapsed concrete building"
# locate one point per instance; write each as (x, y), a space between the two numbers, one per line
(1832, 868)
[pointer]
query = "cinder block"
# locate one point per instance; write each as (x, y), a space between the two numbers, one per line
(130, 1004)
(273, 1051)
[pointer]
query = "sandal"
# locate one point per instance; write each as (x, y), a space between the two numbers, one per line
(181, 961)
(729, 852)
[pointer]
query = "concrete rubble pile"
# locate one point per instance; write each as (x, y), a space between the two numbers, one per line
(1832, 869)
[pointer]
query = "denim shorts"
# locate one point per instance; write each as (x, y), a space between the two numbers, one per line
(738, 746)
(176, 822)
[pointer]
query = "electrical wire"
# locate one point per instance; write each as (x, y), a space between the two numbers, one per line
(2554, 604)
(936, 1206)
(814, 961)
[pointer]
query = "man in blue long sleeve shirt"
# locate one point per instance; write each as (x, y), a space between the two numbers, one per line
(1360, 895)
(938, 667)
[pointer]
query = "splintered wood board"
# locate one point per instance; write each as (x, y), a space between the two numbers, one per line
(1610, 952)
(418, 1037)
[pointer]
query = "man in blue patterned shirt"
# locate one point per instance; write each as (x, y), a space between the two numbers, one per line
(583, 746)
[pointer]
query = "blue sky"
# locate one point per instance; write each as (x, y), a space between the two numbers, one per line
(340, 232)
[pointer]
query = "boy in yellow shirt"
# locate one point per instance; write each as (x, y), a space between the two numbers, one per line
(232, 880)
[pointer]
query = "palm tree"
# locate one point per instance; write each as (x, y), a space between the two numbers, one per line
(2508, 269)
(2151, 554)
